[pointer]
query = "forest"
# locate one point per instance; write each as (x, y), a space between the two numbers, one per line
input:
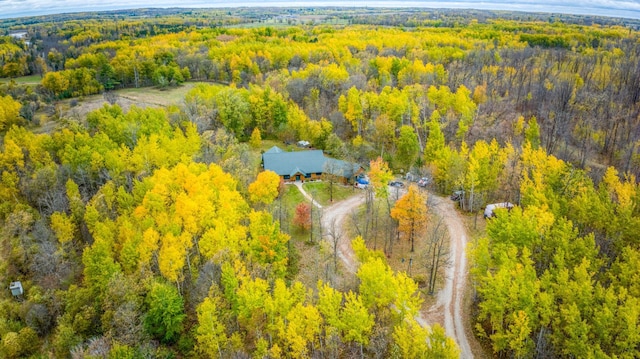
(150, 231)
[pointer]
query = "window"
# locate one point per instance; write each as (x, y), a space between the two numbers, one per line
(318, 173)
(286, 177)
(307, 175)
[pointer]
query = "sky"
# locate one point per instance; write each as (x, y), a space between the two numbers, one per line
(612, 8)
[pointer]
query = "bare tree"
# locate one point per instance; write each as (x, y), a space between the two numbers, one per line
(436, 254)
(329, 175)
(335, 235)
(111, 97)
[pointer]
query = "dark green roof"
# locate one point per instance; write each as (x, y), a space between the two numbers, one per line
(289, 163)
(313, 161)
(341, 168)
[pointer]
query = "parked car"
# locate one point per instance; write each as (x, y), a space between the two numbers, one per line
(457, 195)
(361, 185)
(397, 184)
(424, 181)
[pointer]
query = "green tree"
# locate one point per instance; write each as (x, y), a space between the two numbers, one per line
(407, 148)
(532, 133)
(166, 312)
(210, 332)
(357, 322)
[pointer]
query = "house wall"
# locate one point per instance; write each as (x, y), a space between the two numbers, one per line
(314, 177)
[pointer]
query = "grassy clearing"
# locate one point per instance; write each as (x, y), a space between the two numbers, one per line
(292, 197)
(156, 96)
(24, 80)
(320, 192)
(267, 144)
(141, 97)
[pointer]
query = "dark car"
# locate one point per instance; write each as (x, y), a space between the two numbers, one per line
(396, 184)
(457, 195)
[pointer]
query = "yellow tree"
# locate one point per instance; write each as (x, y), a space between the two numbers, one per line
(210, 332)
(380, 175)
(351, 107)
(256, 138)
(411, 213)
(63, 227)
(9, 112)
(265, 188)
(268, 245)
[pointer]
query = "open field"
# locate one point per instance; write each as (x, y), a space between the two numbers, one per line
(141, 97)
(24, 80)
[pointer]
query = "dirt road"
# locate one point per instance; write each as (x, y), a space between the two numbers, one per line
(337, 214)
(448, 309)
(450, 297)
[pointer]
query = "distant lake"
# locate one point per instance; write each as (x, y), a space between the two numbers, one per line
(612, 8)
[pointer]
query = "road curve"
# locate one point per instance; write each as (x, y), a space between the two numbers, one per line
(337, 214)
(450, 297)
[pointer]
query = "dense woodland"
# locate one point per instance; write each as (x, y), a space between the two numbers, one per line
(149, 233)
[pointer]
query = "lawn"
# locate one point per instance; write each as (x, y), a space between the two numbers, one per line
(320, 192)
(267, 144)
(292, 197)
(24, 80)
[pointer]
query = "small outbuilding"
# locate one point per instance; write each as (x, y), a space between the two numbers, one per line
(16, 289)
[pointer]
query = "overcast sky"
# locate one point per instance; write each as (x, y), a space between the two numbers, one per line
(614, 8)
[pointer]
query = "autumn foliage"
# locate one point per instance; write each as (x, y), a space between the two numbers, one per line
(266, 187)
(411, 213)
(302, 216)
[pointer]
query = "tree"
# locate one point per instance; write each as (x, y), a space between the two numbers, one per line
(210, 332)
(268, 245)
(532, 133)
(411, 213)
(9, 112)
(351, 107)
(302, 217)
(356, 320)
(330, 171)
(256, 138)
(441, 346)
(265, 189)
(166, 312)
(63, 226)
(303, 327)
(407, 148)
(436, 254)
(380, 175)
(411, 339)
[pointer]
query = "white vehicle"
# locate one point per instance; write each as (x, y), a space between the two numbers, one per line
(361, 185)
(423, 182)
(489, 209)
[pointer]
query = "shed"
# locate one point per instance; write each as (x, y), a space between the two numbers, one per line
(16, 288)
